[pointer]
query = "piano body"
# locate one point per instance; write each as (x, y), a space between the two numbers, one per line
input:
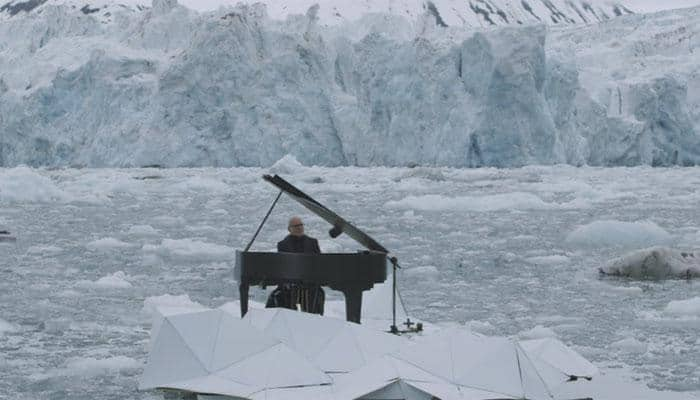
(350, 273)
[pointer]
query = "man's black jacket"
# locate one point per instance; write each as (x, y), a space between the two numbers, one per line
(299, 244)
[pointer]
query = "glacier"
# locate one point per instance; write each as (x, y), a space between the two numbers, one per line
(169, 86)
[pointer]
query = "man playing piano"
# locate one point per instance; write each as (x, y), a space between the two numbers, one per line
(309, 297)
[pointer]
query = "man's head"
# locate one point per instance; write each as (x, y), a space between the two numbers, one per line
(295, 226)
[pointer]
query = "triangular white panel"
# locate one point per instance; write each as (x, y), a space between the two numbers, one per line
(260, 318)
(237, 340)
(170, 360)
(311, 332)
(215, 385)
(490, 364)
(532, 382)
(375, 343)
(323, 392)
(433, 356)
(559, 356)
(199, 331)
(341, 354)
(397, 390)
(275, 367)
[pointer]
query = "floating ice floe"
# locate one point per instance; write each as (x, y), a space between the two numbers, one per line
(7, 327)
(27, 185)
(609, 233)
(684, 308)
(90, 366)
(190, 250)
(655, 262)
(142, 231)
(107, 244)
(538, 332)
(629, 345)
(287, 165)
(488, 203)
(118, 280)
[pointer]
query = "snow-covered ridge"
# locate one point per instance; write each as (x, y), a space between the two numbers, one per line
(169, 86)
(471, 13)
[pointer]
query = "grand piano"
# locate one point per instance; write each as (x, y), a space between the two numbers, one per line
(349, 273)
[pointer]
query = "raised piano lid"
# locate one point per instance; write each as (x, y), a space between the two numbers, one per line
(323, 212)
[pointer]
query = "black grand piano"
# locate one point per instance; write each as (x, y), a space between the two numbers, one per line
(350, 273)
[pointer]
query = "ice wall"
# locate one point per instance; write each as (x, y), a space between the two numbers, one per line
(171, 87)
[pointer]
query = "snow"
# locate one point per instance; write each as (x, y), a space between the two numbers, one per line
(619, 233)
(382, 89)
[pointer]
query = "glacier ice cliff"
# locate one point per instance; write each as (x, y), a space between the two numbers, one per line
(169, 86)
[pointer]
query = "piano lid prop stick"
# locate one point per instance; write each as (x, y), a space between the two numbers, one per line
(263, 221)
(395, 264)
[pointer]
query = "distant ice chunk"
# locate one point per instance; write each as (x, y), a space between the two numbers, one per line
(629, 345)
(7, 327)
(107, 244)
(190, 250)
(142, 231)
(684, 308)
(151, 305)
(427, 271)
(627, 290)
(482, 327)
(496, 202)
(118, 280)
(538, 332)
(89, 366)
(203, 185)
(26, 185)
(286, 165)
(169, 221)
(655, 262)
(611, 233)
(44, 250)
(552, 260)
(428, 173)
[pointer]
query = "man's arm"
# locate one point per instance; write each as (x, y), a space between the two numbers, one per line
(282, 246)
(315, 247)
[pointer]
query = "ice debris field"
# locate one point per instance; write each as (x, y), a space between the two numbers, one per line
(507, 252)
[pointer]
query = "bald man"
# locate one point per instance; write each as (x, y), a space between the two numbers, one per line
(297, 241)
(310, 298)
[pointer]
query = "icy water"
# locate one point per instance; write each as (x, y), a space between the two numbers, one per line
(489, 248)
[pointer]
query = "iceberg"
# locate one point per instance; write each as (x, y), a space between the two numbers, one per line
(655, 263)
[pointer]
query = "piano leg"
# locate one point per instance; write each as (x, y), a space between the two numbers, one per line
(353, 304)
(243, 295)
